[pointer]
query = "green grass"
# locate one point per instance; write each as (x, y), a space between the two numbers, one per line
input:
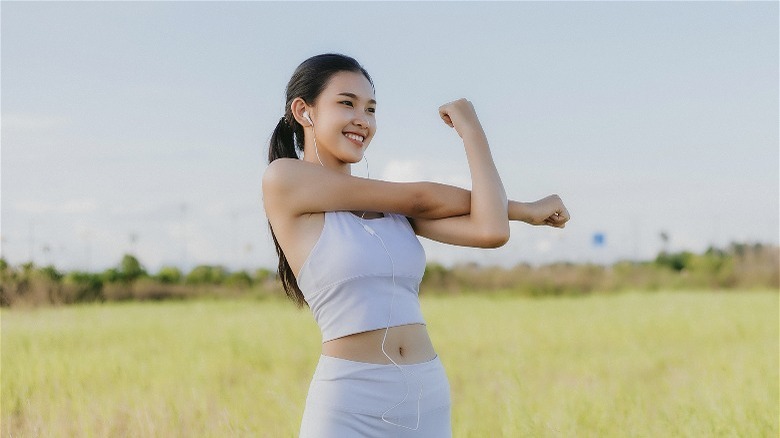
(636, 364)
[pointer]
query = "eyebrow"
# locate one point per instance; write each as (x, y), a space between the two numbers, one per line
(354, 96)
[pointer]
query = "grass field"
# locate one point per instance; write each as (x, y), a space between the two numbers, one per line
(634, 364)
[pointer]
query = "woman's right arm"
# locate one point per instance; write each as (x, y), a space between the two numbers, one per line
(303, 187)
(297, 187)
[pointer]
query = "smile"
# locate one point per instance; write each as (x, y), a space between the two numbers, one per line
(357, 138)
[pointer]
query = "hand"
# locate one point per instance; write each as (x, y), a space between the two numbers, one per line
(547, 211)
(460, 114)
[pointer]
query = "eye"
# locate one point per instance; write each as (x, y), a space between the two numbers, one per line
(346, 102)
(371, 110)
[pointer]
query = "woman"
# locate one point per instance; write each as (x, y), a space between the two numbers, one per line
(348, 249)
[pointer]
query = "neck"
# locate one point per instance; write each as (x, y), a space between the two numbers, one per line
(325, 159)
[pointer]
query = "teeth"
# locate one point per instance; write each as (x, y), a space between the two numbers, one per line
(354, 137)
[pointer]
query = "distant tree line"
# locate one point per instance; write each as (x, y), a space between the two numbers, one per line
(129, 280)
(737, 267)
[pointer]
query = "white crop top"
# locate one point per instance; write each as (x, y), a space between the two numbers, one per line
(347, 279)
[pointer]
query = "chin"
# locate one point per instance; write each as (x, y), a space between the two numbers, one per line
(352, 159)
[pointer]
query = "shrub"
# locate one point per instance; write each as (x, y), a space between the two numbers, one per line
(83, 287)
(206, 274)
(239, 279)
(169, 275)
(131, 269)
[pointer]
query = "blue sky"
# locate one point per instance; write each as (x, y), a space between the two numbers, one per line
(143, 126)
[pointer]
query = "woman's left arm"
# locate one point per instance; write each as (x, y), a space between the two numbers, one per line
(486, 223)
(480, 218)
(548, 211)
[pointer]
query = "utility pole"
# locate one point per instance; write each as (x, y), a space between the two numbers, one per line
(183, 210)
(31, 242)
(133, 239)
(234, 238)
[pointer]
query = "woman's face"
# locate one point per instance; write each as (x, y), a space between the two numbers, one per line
(344, 117)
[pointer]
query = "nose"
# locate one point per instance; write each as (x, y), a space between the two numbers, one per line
(362, 121)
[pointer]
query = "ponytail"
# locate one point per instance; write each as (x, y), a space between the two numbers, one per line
(283, 145)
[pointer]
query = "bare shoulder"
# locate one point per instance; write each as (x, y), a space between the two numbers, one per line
(282, 172)
(292, 187)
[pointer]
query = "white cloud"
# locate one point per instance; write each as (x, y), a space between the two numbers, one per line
(403, 171)
(453, 171)
(543, 245)
(417, 170)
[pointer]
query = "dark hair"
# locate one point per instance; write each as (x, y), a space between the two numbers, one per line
(307, 82)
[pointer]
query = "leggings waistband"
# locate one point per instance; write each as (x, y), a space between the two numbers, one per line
(369, 388)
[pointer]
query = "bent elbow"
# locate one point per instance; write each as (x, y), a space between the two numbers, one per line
(495, 238)
(497, 242)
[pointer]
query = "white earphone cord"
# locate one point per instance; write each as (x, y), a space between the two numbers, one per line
(384, 338)
(316, 152)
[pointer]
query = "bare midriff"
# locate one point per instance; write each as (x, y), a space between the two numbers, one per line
(405, 344)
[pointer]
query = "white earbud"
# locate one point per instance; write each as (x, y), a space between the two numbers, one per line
(306, 116)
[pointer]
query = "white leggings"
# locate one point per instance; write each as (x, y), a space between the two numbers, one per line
(347, 399)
